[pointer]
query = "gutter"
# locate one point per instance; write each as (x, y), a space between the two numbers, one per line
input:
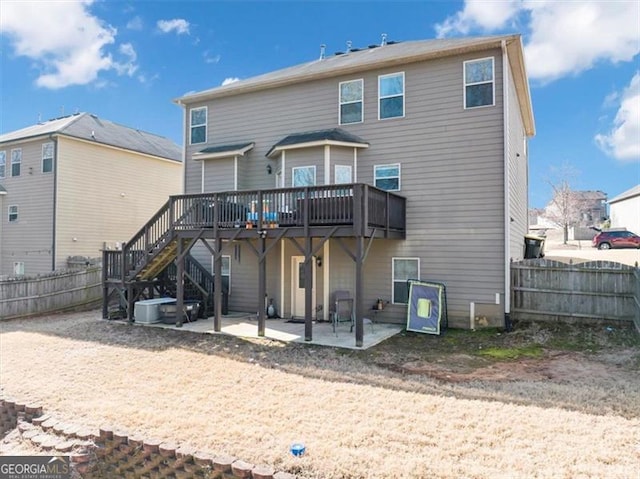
(507, 202)
(54, 139)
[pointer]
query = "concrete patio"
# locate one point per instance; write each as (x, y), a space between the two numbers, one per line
(245, 325)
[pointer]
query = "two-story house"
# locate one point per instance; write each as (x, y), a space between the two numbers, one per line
(358, 171)
(74, 185)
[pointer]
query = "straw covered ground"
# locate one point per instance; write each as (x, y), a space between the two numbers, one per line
(543, 401)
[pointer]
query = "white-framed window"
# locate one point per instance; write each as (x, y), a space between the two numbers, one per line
(198, 125)
(387, 177)
(479, 87)
(13, 213)
(342, 174)
(391, 96)
(303, 176)
(3, 163)
(226, 272)
(47, 157)
(18, 268)
(351, 101)
(403, 269)
(16, 160)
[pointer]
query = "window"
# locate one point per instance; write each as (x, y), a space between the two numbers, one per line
(199, 125)
(387, 177)
(226, 272)
(16, 159)
(303, 176)
(342, 174)
(18, 268)
(47, 158)
(351, 102)
(478, 83)
(3, 163)
(391, 96)
(404, 269)
(13, 213)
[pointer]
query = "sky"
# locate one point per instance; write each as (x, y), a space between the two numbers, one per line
(126, 61)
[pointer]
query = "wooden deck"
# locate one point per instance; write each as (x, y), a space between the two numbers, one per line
(357, 210)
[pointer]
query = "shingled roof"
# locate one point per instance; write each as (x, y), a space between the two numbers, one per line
(89, 127)
(330, 136)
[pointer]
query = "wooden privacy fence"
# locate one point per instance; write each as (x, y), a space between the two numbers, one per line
(596, 290)
(57, 291)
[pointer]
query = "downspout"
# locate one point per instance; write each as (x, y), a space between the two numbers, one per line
(507, 202)
(55, 200)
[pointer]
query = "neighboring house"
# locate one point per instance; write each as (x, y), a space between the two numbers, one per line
(358, 172)
(576, 209)
(73, 185)
(625, 210)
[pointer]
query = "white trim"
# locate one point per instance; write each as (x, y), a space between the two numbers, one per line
(202, 175)
(311, 144)
(283, 168)
(9, 213)
(293, 175)
(355, 165)
(507, 203)
(222, 154)
(191, 126)
(43, 158)
(493, 82)
(327, 164)
(393, 279)
(388, 165)
(404, 94)
(235, 173)
(361, 101)
(5, 164)
(16, 163)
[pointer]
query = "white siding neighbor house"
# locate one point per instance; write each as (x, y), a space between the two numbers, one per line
(624, 210)
(73, 185)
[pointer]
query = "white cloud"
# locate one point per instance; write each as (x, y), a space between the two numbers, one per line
(66, 42)
(128, 67)
(178, 25)
(565, 38)
(229, 81)
(623, 140)
(479, 14)
(208, 58)
(135, 23)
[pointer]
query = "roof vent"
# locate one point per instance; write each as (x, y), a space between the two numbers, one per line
(392, 42)
(93, 134)
(339, 53)
(349, 46)
(373, 46)
(384, 40)
(322, 50)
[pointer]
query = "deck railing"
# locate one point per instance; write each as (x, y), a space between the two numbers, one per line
(359, 205)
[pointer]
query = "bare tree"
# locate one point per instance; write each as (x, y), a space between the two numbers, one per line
(567, 206)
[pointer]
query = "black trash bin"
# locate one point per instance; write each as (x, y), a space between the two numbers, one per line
(533, 247)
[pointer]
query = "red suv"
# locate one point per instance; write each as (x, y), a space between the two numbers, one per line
(616, 239)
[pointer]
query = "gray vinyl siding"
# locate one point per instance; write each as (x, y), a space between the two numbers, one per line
(518, 177)
(218, 175)
(452, 170)
(30, 240)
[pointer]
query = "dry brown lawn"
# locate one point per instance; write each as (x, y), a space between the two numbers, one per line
(567, 406)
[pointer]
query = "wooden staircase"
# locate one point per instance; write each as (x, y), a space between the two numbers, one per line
(159, 262)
